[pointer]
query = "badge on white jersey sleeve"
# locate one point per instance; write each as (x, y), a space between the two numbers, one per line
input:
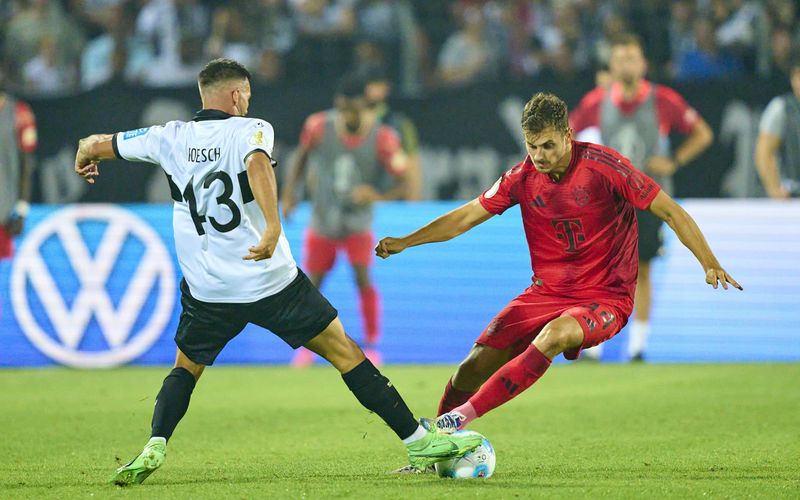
(258, 135)
(142, 144)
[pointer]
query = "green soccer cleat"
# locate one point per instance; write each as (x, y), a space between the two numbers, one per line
(144, 464)
(436, 447)
(409, 469)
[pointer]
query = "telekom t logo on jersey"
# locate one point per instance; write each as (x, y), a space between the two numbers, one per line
(570, 230)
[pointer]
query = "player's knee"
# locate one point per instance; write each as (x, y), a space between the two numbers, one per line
(560, 335)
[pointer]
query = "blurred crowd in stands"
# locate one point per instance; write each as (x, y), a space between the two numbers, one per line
(61, 47)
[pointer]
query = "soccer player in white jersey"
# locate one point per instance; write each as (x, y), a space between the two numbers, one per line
(237, 265)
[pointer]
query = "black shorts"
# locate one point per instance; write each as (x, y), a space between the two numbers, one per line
(650, 237)
(296, 314)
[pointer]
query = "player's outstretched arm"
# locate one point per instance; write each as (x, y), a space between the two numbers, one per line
(91, 150)
(261, 177)
(444, 228)
(665, 208)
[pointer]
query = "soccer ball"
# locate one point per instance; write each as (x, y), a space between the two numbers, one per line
(477, 463)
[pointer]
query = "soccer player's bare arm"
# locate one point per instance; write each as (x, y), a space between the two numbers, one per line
(296, 172)
(261, 177)
(698, 140)
(665, 208)
(444, 228)
(91, 150)
(766, 163)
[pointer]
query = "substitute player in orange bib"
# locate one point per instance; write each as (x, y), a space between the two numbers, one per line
(578, 204)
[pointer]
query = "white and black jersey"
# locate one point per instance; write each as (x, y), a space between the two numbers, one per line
(215, 217)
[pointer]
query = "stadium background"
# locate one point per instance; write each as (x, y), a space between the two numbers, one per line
(90, 66)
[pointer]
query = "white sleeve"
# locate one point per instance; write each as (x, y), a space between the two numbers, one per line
(143, 144)
(257, 135)
(773, 119)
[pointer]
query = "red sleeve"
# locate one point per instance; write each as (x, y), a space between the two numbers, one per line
(25, 123)
(633, 184)
(674, 112)
(502, 195)
(587, 114)
(388, 144)
(313, 130)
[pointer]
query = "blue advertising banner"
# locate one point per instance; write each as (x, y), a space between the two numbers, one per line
(96, 286)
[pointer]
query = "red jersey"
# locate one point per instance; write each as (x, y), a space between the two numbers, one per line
(581, 230)
(674, 113)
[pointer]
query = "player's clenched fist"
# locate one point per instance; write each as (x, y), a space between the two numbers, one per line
(389, 246)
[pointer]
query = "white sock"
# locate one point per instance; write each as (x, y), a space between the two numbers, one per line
(640, 330)
(595, 352)
(418, 434)
(156, 439)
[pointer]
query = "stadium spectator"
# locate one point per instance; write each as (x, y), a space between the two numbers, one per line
(26, 30)
(269, 68)
(325, 37)
(706, 61)
(467, 55)
(778, 146)
(741, 30)
(681, 36)
(229, 37)
(118, 54)
(274, 26)
(46, 74)
(174, 29)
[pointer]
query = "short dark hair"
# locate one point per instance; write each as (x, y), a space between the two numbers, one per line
(350, 85)
(544, 111)
(627, 39)
(220, 70)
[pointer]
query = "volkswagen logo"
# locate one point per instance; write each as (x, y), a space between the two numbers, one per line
(124, 254)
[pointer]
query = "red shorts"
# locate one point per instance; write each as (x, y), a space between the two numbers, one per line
(319, 252)
(6, 243)
(524, 317)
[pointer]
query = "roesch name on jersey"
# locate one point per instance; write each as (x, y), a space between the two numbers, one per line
(199, 155)
(215, 216)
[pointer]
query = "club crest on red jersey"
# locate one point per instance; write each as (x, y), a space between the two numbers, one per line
(581, 195)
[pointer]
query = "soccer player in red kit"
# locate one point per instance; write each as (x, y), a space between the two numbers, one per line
(578, 204)
(636, 117)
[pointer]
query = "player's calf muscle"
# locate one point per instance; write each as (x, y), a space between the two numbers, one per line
(479, 365)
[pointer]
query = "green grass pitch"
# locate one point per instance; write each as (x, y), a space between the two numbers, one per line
(585, 430)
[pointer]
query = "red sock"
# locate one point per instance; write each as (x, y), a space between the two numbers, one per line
(512, 379)
(451, 398)
(370, 312)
